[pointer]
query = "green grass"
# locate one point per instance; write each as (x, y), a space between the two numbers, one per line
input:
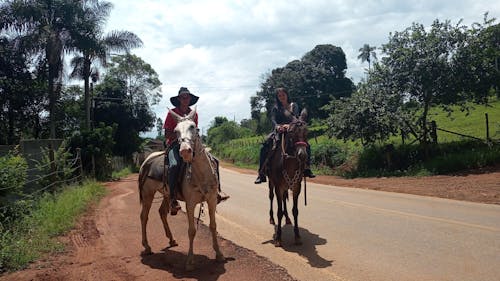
(473, 124)
(34, 235)
(122, 173)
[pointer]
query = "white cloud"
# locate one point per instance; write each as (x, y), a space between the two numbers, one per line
(221, 49)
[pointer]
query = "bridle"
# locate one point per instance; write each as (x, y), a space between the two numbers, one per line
(294, 124)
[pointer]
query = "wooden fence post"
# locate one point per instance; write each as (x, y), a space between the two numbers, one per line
(79, 163)
(487, 128)
(434, 132)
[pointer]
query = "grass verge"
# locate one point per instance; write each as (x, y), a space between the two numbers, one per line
(33, 235)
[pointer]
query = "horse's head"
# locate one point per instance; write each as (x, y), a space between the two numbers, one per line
(297, 135)
(187, 134)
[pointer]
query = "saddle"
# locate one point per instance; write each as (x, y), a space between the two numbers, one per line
(158, 167)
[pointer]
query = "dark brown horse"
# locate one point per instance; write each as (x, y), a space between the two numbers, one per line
(286, 169)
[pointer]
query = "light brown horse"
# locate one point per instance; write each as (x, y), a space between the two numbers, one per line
(286, 169)
(199, 184)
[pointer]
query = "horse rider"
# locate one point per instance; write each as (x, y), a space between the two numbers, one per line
(282, 114)
(182, 103)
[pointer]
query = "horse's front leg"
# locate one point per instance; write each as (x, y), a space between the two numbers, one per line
(295, 211)
(285, 211)
(212, 205)
(271, 197)
(191, 233)
(277, 235)
(163, 215)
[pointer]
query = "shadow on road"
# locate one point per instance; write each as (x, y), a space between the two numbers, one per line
(207, 269)
(308, 247)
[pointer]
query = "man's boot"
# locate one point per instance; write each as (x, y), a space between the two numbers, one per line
(174, 206)
(172, 184)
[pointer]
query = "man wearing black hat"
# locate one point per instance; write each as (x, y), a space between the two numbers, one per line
(182, 103)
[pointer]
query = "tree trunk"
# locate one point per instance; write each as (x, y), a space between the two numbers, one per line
(86, 78)
(425, 131)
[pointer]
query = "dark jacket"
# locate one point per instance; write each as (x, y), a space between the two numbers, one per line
(281, 116)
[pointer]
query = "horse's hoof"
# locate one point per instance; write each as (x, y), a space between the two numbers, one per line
(271, 221)
(147, 251)
(220, 258)
(277, 244)
(288, 221)
(189, 267)
(173, 243)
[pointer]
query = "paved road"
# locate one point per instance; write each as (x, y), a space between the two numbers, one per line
(353, 234)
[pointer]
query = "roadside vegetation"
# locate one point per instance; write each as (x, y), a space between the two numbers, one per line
(38, 222)
(421, 109)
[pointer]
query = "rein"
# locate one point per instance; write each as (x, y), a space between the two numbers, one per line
(297, 176)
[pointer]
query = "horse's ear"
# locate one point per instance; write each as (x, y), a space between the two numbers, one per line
(176, 116)
(303, 115)
(191, 114)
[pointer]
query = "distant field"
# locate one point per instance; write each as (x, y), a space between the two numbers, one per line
(473, 124)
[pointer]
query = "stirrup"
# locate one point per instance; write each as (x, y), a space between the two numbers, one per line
(174, 207)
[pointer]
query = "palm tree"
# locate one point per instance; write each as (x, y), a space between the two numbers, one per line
(93, 46)
(46, 28)
(365, 54)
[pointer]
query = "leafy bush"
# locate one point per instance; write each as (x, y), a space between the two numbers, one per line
(60, 170)
(328, 154)
(410, 159)
(13, 175)
(97, 143)
(222, 134)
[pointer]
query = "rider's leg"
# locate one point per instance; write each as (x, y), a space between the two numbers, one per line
(174, 165)
(307, 170)
(220, 197)
(264, 150)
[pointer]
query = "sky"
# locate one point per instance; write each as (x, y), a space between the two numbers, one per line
(222, 50)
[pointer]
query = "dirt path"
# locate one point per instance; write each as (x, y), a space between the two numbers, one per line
(106, 245)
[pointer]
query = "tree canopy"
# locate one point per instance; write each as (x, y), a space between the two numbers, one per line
(311, 81)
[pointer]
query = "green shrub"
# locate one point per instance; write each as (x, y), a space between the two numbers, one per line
(13, 175)
(328, 154)
(27, 238)
(96, 150)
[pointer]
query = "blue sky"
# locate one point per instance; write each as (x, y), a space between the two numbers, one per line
(221, 50)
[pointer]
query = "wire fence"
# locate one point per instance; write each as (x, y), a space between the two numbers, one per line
(48, 177)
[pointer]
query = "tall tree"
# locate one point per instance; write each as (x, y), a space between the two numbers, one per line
(93, 45)
(312, 81)
(124, 100)
(366, 53)
(20, 98)
(476, 62)
(47, 28)
(419, 66)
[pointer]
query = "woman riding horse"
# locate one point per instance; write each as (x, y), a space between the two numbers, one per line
(282, 114)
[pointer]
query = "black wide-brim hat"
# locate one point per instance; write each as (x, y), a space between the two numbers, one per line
(183, 90)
